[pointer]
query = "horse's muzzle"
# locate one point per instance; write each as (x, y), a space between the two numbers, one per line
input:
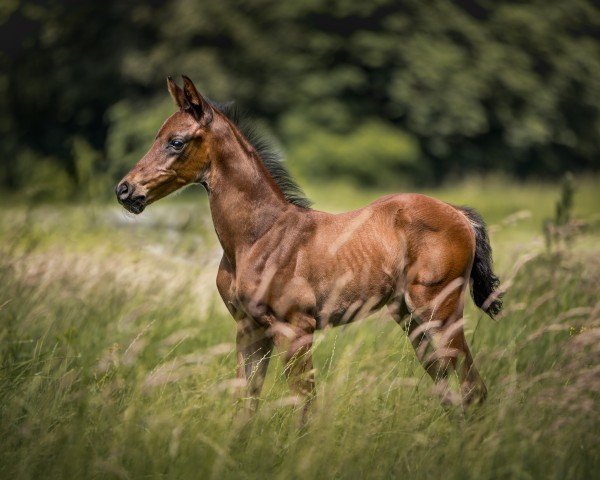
(125, 196)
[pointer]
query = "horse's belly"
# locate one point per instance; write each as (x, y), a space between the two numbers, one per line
(343, 303)
(359, 271)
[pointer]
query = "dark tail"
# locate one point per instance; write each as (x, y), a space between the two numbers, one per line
(485, 283)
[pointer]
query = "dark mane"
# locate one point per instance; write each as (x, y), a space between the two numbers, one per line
(269, 154)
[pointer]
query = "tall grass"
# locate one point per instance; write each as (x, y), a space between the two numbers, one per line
(117, 361)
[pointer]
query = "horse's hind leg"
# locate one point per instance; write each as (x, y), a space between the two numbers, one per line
(294, 339)
(432, 317)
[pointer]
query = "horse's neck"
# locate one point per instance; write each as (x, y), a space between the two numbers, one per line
(244, 200)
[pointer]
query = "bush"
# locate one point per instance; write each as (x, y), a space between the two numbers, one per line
(374, 154)
(42, 178)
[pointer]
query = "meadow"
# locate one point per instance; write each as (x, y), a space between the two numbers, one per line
(118, 357)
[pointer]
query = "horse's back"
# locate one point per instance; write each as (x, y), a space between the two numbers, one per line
(414, 228)
(419, 214)
(413, 215)
(435, 238)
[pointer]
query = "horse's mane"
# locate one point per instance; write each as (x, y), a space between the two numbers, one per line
(269, 154)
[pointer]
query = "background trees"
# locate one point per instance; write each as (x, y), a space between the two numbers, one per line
(375, 92)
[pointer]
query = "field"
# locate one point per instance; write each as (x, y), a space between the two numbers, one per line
(118, 358)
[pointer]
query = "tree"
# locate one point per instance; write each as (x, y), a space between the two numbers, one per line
(478, 86)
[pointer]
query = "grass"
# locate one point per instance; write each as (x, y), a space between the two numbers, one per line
(117, 357)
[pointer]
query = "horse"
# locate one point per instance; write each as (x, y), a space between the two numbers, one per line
(288, 270)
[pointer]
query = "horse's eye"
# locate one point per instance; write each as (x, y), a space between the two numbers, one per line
(176, 144)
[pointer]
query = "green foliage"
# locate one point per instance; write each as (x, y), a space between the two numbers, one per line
(563, 227)
(564, 207)
(481, 86)
(42, 177)
(375, 153)
(91, 182)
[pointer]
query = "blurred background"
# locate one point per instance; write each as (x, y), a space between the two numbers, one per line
(117, 355)
(378, 94)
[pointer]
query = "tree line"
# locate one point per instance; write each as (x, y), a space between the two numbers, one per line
(373, 92)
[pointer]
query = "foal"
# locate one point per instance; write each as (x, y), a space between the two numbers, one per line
(288, 270)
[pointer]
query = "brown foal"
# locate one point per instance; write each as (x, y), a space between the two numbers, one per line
(288, 270)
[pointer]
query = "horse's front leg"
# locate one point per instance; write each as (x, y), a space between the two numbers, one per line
(294, 338)
(254, 346)
(254, 349)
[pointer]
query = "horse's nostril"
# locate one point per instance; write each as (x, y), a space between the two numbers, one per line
(124, 190)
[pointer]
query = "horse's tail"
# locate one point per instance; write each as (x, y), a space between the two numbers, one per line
(484, 287)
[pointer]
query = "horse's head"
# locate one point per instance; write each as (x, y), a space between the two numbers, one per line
(179, 155)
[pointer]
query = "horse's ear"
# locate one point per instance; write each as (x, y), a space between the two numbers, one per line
(200, 107)
(177, 94)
